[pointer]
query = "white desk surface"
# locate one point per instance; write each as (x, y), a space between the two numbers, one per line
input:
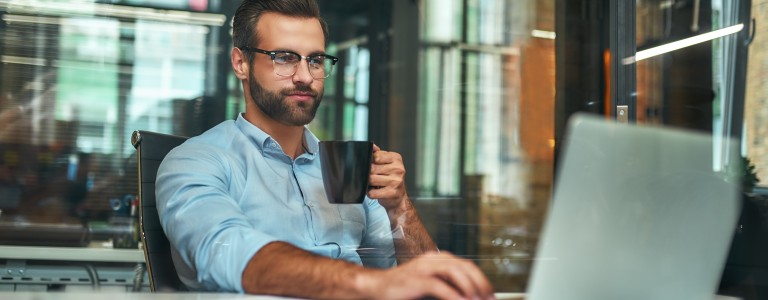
(71, 254)
(185, 296)
(164, 296)
(129, 296)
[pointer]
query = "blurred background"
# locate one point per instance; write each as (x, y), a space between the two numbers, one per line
(475, 95)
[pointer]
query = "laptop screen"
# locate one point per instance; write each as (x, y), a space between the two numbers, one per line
(638, 213)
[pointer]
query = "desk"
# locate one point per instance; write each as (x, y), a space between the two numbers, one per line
(133, 296)
(186, 296)
(28, 268)
(72, 254)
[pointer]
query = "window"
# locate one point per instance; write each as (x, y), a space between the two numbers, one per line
(77, 79)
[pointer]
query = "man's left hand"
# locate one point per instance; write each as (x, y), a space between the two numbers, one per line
(387, 179)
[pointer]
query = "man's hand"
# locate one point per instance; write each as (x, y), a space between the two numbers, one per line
(438, 275)
(387, 179)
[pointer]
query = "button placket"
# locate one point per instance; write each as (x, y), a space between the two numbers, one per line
(308, 207)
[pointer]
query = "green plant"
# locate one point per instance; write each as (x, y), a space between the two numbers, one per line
(749, 177)
(743, 171)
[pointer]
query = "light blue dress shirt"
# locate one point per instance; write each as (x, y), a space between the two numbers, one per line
(225, 194)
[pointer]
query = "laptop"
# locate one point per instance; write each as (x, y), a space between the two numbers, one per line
(639, 212)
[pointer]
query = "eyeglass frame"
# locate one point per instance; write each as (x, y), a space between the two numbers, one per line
(272, 55)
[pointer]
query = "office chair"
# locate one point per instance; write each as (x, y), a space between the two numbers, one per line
(152, 148)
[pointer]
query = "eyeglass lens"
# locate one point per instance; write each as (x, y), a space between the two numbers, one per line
(285, 64)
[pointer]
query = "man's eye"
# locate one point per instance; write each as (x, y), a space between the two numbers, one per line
(286, 58)
(317, 60)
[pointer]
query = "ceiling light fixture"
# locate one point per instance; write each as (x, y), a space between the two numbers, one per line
(687, 42)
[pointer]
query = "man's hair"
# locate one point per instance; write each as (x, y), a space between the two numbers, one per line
(248, 14)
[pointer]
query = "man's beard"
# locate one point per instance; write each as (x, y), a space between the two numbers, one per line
(275, 106)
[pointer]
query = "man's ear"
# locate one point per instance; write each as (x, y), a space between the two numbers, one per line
(240, 64)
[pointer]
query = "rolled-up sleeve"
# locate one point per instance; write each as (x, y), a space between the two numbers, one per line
(203, 222)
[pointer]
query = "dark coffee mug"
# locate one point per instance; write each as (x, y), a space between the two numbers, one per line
(346, 166)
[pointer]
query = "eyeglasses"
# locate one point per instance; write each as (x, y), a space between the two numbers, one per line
(285, 63)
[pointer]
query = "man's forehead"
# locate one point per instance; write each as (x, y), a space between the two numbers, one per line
(278, 30)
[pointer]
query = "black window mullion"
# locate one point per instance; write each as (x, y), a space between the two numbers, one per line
(622, 45)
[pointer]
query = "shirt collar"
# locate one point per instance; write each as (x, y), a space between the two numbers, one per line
(261, 138)
(313, 144)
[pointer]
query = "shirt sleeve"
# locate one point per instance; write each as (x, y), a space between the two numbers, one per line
(377, 247)
(202, 221)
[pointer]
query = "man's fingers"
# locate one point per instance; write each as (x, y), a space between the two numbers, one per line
(381, 158)
(459, 276)
(463, 275)
(388, 190)
(386, 157)
(468, 272)
(439, 275)
(387, 170)
(379, 181)
(462, 281)
(481, 285)
(442, 290)
(380, 169)
(414, 283)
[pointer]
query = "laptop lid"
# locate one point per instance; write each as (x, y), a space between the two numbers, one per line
(638, 213)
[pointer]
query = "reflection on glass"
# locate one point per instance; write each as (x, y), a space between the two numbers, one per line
(486, 122)
(755, 111)
(73, 89)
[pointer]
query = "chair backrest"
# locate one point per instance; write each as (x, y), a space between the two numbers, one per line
(152, 148)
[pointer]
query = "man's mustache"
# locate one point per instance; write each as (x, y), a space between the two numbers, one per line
(301, 88)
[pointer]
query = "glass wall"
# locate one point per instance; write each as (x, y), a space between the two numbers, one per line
(486, 125)
(77, 78)
(694, 87)
(470, 92)
(715, 86)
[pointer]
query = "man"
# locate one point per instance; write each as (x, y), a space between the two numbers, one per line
(243, 204)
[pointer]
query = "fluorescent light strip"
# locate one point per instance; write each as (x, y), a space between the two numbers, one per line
(659, 50)
(543, 34)
(30, 19)
(10, 59)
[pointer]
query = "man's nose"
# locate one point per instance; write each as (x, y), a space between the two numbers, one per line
(302, 74)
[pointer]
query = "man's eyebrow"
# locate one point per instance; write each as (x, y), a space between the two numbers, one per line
(317, 52)
(284, 50)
